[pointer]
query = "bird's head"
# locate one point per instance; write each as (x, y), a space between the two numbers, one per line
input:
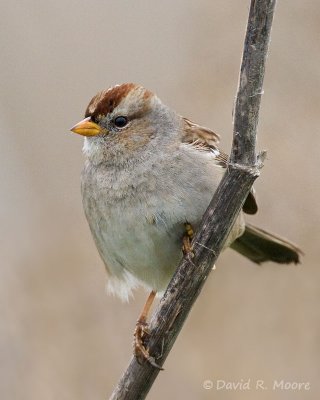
(123, 120)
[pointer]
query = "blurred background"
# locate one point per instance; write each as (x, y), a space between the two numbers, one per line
(61, 336)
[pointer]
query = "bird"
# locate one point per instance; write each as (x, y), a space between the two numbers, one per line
(148, 178)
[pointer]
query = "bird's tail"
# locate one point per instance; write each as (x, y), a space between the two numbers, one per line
(260, 246)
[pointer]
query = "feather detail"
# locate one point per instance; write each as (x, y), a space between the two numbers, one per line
(194, 132)
(204, 139)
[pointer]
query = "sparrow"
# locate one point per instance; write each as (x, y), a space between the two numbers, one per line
(148, 178)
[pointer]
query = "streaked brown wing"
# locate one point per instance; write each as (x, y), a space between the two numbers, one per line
(204, 139)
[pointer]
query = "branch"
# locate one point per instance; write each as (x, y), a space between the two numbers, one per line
(250, 87)
(218, 219)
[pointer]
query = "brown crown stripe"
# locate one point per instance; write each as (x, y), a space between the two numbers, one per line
(106, 101)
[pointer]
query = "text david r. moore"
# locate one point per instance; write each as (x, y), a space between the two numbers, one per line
(258, 384)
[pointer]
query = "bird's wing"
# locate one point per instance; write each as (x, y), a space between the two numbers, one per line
(204, 139)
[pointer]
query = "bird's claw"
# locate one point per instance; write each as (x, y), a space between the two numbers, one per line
(187, 248)
(140, 351)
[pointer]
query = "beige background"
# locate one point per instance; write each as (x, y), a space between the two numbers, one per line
(61, 336)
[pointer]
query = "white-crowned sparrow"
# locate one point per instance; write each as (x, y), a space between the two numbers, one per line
(148, 171)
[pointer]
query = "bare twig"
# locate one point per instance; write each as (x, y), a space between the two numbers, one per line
(217, 221)
(250, 87)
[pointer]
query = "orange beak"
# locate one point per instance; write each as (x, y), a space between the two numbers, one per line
(86, 128)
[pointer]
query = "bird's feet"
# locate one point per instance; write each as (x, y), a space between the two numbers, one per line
(140, 350)
(187, 248)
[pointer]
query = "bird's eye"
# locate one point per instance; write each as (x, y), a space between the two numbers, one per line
(120, 122)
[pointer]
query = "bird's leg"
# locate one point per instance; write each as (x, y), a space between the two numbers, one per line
(186, 241)
(141, 333)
